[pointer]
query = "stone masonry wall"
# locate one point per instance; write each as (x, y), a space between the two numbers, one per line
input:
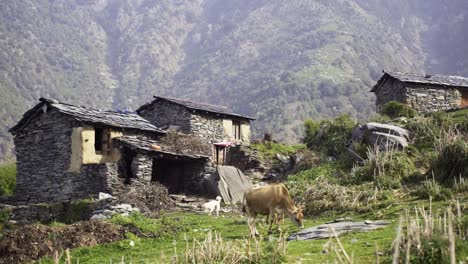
(427, 99)
(207, 128)
(422, 97)
(43, 151)
(391, 90)
(164, 114)
(142, 167)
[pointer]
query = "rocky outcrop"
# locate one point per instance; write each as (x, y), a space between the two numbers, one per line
(384, 136)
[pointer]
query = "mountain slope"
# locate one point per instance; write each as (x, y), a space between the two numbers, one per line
(280, 61)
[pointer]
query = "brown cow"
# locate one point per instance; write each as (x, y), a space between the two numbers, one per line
(270, 200)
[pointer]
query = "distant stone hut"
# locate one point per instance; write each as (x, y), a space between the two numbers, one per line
(67, 152)
(423, 92)
(213, 124)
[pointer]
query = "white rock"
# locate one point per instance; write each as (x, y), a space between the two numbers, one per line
(103, 196)
(99, 217)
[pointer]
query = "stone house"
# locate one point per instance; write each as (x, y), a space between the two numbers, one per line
(67, 152)
(216, 125)
(423, 92)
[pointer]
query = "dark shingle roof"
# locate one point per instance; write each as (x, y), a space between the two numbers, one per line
(88, 115)
(216, 109)
(145, 145)
(439, 80)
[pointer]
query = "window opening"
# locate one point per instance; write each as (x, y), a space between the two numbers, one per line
(236, 126)
(98, 136)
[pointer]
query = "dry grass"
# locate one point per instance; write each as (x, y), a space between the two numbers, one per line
(323, 196)
(425, 236)
(184, 144)
(215, 250)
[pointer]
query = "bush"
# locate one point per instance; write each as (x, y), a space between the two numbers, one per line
(385, 168)
(431, 188)
(333, 135)
(311, 129)
(395, 109)
(451, 162)
(297, 183)
(7, 179)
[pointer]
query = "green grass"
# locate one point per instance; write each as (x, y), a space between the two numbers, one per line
(270, 149)
(7, 179)
(173, 229)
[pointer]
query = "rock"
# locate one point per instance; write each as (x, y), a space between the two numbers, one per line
(283, 159)
(383, 135)
(103, 196)
(98, 217)
(323, 231)
(108, 213)
(123, 206)
(338, 220)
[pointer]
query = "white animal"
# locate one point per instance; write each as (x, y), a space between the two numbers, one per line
(212, 205)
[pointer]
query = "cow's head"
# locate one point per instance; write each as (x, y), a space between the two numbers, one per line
(297, 217)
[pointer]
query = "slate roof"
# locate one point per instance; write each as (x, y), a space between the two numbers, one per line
(439, 80)
(216, 109)
(145, 144)
(88, 115)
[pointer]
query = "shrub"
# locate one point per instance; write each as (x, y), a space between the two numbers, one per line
(451, 161)
(385, 167)
(7, 179)
(297, 183)
(431, 188)
(311, 129)
(333, 135)
(379, 118)
(395, 109)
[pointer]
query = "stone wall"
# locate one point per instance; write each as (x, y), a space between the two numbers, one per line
(422, 97)
(164, 114)
(43, 151)
(427, 99)
(142, 167)
(207, 128)
(390, 90)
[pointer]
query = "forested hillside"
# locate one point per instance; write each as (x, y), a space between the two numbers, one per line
(279, 61)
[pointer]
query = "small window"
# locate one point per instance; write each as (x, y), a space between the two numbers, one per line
(98, 136)
(236, 127)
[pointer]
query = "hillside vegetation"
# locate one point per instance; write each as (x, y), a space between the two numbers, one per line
(279, 61)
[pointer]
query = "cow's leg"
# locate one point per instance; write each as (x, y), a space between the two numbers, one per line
(272, 219)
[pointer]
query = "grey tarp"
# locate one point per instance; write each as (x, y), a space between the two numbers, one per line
(232, 184)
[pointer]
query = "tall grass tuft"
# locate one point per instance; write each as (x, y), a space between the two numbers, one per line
(428, 237)
(385, 167)
(215, 250)
(452, 157)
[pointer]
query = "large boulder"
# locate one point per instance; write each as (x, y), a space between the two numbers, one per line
(384, 136)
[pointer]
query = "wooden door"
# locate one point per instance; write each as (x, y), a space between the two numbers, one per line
(464, 97)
